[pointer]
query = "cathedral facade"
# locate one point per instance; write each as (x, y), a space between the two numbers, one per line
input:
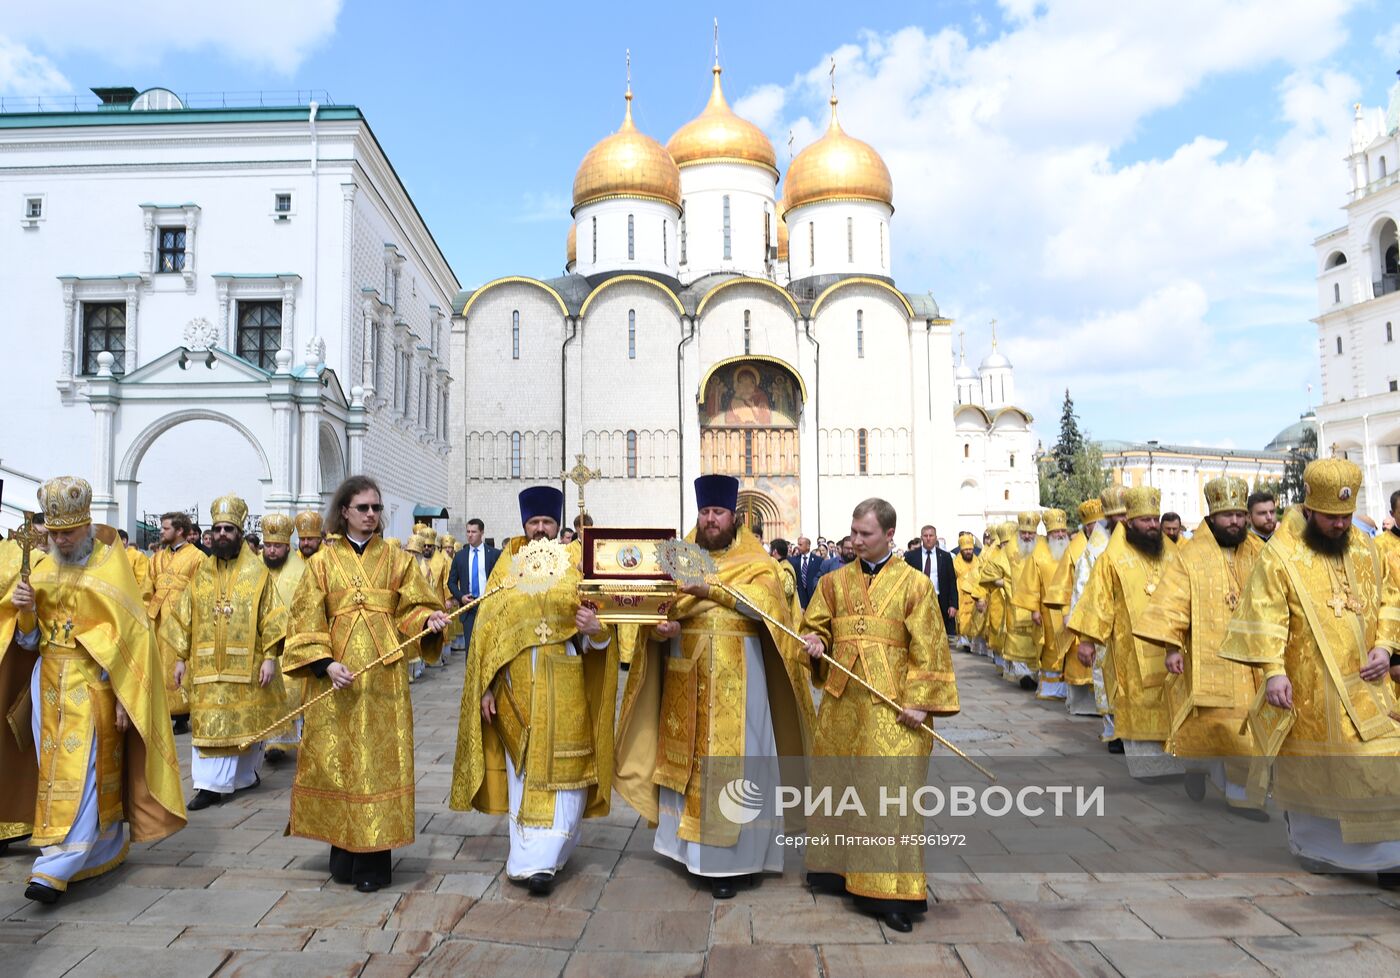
(709, 322)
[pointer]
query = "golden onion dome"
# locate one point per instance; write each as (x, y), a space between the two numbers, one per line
(571, 249)
(627, 164)
(717, 135)
(837, 167)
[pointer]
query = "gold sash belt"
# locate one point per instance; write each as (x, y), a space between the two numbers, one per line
(352, 600)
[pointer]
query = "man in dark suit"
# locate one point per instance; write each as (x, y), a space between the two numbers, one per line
(807, 566)
(471, 568)
(937, 565)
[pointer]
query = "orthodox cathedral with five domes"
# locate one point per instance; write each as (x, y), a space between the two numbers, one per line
(708, 321)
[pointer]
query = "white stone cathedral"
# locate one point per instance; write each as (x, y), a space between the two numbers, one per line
(707, 322)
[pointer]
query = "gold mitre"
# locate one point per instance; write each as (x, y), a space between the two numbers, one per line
(429, 536)
(277, 528)
(394, 542)
(419, 528)
(1090, 511)
(1142, 501)
(1028, 522)
(966, 540)
(308, 524)
(1055, 519)
(66, 502)
(228, 509)
(1330, 485)
(1006, 532)
(415, 544)
(1112, 500)
(447, 540)
(1227, 494)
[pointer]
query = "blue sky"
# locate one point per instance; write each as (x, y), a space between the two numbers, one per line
(1129, 189)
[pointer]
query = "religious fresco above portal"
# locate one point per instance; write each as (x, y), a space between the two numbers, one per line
(751, 393)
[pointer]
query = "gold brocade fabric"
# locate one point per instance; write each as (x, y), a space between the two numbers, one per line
(1120, 584)
(21, 777)
(994, 569)
(1058, 596)
(171, 571)
(1032, 591)
(554, 710)
(223, 625)
(885, 629)
(430, 646)
(1021, 642)
(141, 570)
(354, 782)
(967, 573)
(1199, 592)
(680, 712)
(1295, 619)
(442, 568)
(90, 620)
(285, 579)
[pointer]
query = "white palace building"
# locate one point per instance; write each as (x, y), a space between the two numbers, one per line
(212, 298)
(708, 321)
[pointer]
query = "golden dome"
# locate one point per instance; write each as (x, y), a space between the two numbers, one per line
(571, 249)
(718, 135)
(837, 167)
(627, 164)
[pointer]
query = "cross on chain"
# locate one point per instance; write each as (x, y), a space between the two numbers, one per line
(543, 631)
(1338, 604)
(580, 475)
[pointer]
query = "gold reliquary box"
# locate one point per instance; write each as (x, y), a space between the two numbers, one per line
(622, 577)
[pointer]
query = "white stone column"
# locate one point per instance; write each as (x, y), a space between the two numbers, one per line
(309, 403)
(808, 445)
(281, 495)
(690, 423)
(104, 398)
(289, 315)
(130, 360)
(355, 428)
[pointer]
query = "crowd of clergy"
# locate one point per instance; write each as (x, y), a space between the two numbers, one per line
(1261, 660)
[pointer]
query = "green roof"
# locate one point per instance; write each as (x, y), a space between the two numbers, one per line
(166, 117)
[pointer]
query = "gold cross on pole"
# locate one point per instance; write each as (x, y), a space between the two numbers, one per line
(580, 475)
(28, 538)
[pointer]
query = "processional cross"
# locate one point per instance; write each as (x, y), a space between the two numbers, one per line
(28, 538)
(580, 475)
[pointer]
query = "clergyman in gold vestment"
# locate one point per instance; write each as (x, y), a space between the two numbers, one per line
(172, 567)
(1032, 595)
(534, 738)
(93, 715)
(878, 617)
(358, 599)
(285, 565)
(967, 567)
(226, 630)
(716, 694)
(1062, 594)
(1208, 697)
(1124, 578)
(1313, 618)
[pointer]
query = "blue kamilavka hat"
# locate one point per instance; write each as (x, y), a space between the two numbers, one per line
(541, 501)
(717, 490)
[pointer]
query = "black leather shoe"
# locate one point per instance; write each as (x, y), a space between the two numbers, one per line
(40, 893)
(1388, 881)
(723, 887)
(897, 920)
(182, 725)
(1252, 814)
(366, 886)
(1028, 683)
(1195, 785)
(1115, 746)
(274, 756)
(540, 884)
(203, 798)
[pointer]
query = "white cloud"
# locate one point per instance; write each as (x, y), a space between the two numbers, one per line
(542, 207)
(762, 105)
(1388, 43)
(1020, 195)
(22, 72)
(266, 34)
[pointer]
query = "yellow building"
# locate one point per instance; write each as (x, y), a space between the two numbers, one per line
(1181, 471)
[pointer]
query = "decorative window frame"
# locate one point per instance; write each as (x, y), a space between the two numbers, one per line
(233, 289)
(393, 266)
(32, 223)
(378, 326)
(156, 216)
(282, 217)
(101, 288)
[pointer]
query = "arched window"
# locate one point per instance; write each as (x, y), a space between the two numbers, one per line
(726, 227)
(631, 454)
(860, 333)
(850, 239)
(515, 455)
(748, 453)
(863, 452)
(767, 231)
(1013, 461)
(515, 335)
(595, 241)
(631, 334)
(631, 239)
(1336, 292)
(748, 335)
(967, 450)
(665, 233)
(811, 243)
(1339, 344)
(682, 230)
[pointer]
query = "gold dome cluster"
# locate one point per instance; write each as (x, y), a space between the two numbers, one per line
(717, 135)
(627, 164)
(837, 167)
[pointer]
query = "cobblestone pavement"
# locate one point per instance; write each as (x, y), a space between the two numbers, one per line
(230, 895)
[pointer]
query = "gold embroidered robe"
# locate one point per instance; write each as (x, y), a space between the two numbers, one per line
(1336, 748)
(1122, 580)
(994, 569)
(1032, 590)
(1191, 610)
(91, 622)
(682, 713)
(141, 570)
(1059, 596)
(223, 625)
(1021, 638)
(967, 573)
(554, 716)
(354, 783)
(171, 571)
(285, 579)
(886, 630)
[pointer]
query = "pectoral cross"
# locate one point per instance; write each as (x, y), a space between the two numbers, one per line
(580, 475)
(543, 631)
(1338, 604)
